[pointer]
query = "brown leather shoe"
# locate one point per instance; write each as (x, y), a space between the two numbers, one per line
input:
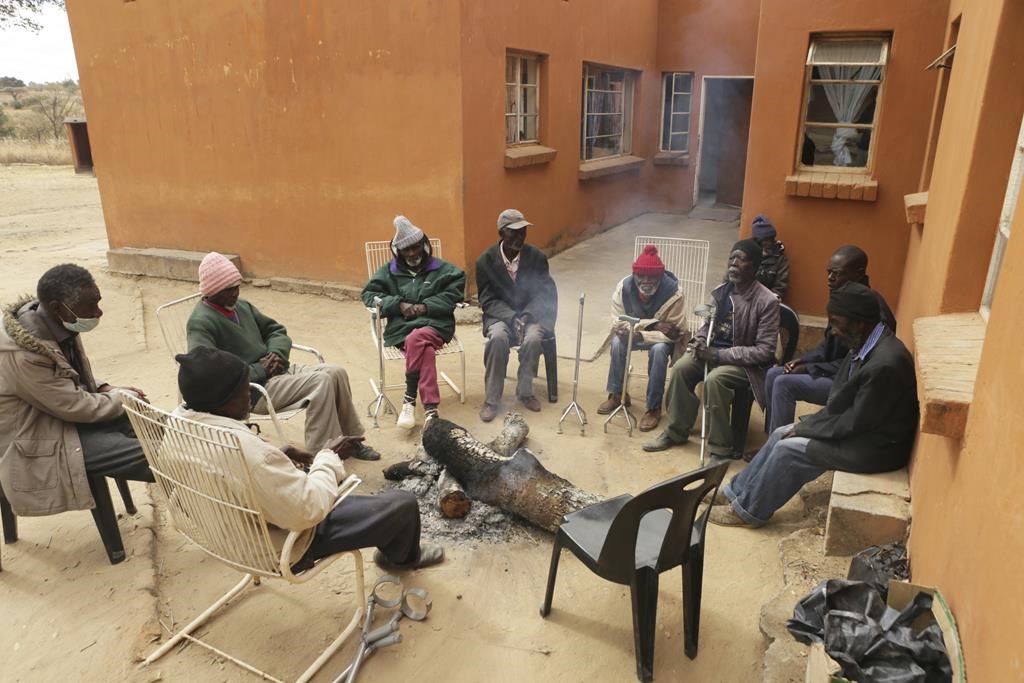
(611, 404)
(530, 403)
(650, 420)
(488, 412)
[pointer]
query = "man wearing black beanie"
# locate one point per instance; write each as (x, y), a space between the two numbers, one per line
(215, 387)
(741, 349)
(867, 426)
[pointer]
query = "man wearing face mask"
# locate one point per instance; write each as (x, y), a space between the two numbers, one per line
(58, 424)
(656, 297)
(418, 294)
(221, 320)
(519, 302)
(742, 349)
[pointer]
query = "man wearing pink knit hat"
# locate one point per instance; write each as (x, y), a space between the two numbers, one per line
(223, 321)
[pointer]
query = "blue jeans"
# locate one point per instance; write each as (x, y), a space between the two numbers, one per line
(774, 476)
(658, 356)
(783, 391)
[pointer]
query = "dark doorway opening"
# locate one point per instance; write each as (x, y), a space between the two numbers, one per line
(725, 119)
(78, 138)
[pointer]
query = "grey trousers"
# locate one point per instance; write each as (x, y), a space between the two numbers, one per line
(496, 352)
(326, 391)
(112, 449)
(682, 403)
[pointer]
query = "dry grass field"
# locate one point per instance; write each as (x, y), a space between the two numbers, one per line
(47, 152)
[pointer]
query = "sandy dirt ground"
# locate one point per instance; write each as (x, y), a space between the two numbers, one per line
(69, 615)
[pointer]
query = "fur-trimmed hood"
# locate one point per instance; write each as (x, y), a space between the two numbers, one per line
(24, 334)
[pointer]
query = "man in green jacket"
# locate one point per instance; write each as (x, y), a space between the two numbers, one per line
(418, 293)
(223, 321)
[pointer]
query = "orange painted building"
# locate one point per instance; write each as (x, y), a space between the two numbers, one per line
(291, 132)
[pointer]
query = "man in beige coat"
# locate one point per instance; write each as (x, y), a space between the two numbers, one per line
(58, 424)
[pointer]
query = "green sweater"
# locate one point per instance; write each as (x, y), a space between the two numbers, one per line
(439, 286)
(250, 339)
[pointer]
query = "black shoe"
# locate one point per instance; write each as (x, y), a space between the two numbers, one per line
(365, 452)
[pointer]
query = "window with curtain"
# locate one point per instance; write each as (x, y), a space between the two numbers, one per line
(607, 112)
(675, 112)
(844, 81)
(522, 98)
(1010, 201)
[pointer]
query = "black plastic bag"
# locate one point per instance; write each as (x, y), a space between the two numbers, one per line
(879, 564)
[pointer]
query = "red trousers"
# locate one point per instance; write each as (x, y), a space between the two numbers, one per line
(421, 347)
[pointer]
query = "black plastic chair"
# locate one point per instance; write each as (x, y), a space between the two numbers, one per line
(550, 352)
(630, 540)
(743, 400)
(103, 514)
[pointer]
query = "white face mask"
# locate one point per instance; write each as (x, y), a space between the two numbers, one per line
(81, 324)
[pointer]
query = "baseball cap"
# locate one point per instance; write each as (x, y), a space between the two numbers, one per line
(512, 219)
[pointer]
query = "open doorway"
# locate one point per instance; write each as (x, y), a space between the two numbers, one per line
(724, 130)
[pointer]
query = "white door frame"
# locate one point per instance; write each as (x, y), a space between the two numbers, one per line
(700, 129)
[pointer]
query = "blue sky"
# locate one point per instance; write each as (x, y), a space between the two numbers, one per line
(41, 57)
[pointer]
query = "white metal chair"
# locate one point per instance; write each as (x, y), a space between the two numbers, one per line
(173, 318)
(208, 488)
(378, 254)
(688, 260)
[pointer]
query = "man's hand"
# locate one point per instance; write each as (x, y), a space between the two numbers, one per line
(795, 367)
(620, 329)
(704, 353)
(301, 458)
(670, 330)
(519, 327)
(408, 310)
(107, 387)
(790, 432)
(344, 446)
(272, 363)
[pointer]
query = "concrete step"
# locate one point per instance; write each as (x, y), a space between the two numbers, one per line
(866, 510)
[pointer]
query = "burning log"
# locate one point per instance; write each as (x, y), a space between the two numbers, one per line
(451, 498)
(517, 483)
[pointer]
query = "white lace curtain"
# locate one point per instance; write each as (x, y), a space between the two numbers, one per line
(854, 60)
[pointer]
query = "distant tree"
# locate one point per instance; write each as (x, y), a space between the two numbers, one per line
(5, 130)
(20, 13)
(11, 81)
(55, 104)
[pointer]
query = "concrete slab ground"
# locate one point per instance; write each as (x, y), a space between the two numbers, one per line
(595, 266)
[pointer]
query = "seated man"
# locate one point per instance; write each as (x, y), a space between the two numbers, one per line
(867, 425)
(418, 293)
(58, 424)
(215, 387)
(773, 272)
(742, 348)
(809, 378)
(656, 297)
(519, 302)
(223, 321)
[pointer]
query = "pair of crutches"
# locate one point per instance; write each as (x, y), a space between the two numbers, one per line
(706, 312)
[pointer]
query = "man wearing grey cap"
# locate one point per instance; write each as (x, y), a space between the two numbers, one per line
(520, 303)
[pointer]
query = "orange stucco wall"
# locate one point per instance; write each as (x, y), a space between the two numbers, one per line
(968, 529)
(813, 228)
(288, 132)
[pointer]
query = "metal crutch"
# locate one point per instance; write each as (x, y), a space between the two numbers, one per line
(380, 400)
(574, 407)
(708, 312)
(630, 420)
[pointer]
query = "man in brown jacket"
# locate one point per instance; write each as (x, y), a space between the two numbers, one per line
(742, 349)
(58, 424)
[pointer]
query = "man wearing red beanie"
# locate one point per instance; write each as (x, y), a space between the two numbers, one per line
(655, 296)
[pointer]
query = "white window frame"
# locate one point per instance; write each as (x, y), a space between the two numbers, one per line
(518, 101)
(809, 82)
(668, 99)
(1010, 201)
(626, 134)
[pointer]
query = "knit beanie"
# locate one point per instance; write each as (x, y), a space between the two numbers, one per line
(217, 273)
(751, 248)
(762, 227)
(853, 300)
(208, 378)
(648, 263)
(406, 234)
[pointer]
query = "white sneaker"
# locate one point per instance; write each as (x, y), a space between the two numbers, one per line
(407, 418)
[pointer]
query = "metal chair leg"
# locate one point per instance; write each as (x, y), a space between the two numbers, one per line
(106, 520)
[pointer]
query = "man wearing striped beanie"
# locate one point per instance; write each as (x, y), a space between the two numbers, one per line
(223, 321)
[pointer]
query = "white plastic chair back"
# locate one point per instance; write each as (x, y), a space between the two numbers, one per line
(687, 259)
(207, 485)
(378, 253)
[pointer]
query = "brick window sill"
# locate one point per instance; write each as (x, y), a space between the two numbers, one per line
(602, 167)
(672, 159)
(852, 186)
(915, 205)
(528, 155)
(947, 353)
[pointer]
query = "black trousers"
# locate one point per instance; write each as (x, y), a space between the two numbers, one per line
(112, 449)
(389, 521)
